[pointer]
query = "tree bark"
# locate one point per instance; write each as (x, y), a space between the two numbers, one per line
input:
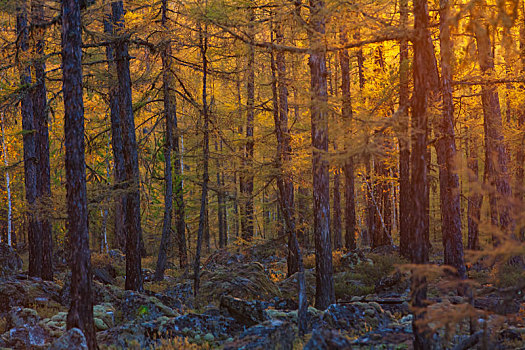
(40, 110)
(131, 164)
(29, 143)
(475, 198)
(496, 154)
(325, 294)
(81, 310)
(446, 155)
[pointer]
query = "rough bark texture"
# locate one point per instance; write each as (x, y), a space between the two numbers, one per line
(247, 174)
(446, 155)
(170, 110)
(424, 68)
(221, 201)
(348, 169)
(117, 143)
(40, 111)
(29, 143)
(336, 211)
(496, 154)
(475, 197)
(81, 310)
(325, 294)
(131, 163)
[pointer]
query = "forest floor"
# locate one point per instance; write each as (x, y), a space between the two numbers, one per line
(247, 302)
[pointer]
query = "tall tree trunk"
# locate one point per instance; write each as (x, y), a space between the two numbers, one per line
(220, 200)
(496, 154)
(42, 141)
(29, 142)
(520, 154)
(131, 162)
(9, 219)
(81, 310)
(203, 38)
(170, 110)
(449, 190)
(247, 215)
(425, 71)
(324, 295)
(348, 169)
(475, 198)
(336, 211)
(117, 143)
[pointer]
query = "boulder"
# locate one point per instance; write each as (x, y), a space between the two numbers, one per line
(105, 274)
(134, 305)
(328, 339)
(10, 261)
(72, 339)
(129, 335)
(288, 286)
(27, 291)
(356, 318)
(245, 281)
(245, 312)
(272, 334)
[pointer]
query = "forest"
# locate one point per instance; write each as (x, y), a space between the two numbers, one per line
(262, 174)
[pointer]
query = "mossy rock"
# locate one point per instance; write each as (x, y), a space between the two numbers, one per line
(288, 286)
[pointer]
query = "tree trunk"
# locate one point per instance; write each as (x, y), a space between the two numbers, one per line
(131, 163)
(348, 169)
(40, 110)
(404, 140)
(247, 174)
(117, 143)
(336, 211)
(425, 71)
(475, 198)
(9, 220)
(170, 110)
(324, 295)
(29, 143)
(220, 201)
(496, 154)
(81, 310)
(449, 190)
(203, 38)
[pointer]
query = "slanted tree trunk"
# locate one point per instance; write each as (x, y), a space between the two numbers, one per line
(203, 38)
(81, 310)
(117, 143)
(449, 190)
(131, 163)
(29, 143)
(324, 295)
(496, 154)
(404, 139)
(170, 110)
(246, 184)
(424, 71)
(40, 110)
(348, 169)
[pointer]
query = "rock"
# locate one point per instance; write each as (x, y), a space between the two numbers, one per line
(245, 312)
(209, 337)
(72, 339)
(288, 286)
(27, 291)
(99, 324)
(356, 318)
(10, 261)
(123, 337)
(105, 274)
(314, 318)
(327, 339)
(222, 257)
(353, 258)
(101, 293)
(273, 334)
(497, 304)
(395, 281)
(180, 296)
(26, 337)
(117, 255)
(138, 305)
(105, 313)
(20, 317)
(245, 281)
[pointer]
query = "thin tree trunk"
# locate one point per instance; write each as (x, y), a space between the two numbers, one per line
(81, 310)
(220, 200)
(475, 198)
(117, 142)
(325, 294)
(404, 140)
(336, 211)
(29, 143)
(132, 209)
(203, 38)
(247, 215)
(348, 169)
(8, 187)
(40, 111)
(446, 155)
(169, 114)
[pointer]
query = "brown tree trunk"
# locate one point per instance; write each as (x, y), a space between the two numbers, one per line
(446, 155)
(475, 198)
(424, 71)
(325, 294)
(134, 244)
(496, 154)
(40, 111)
(348, 170)
(29, 143)
(81, 310)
